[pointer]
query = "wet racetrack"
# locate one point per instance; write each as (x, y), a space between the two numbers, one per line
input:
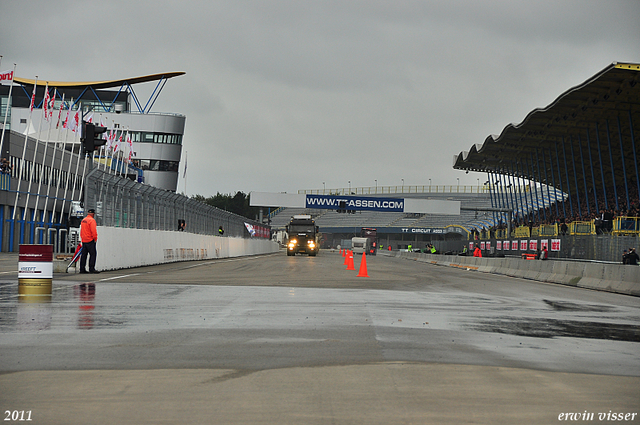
(275, 312)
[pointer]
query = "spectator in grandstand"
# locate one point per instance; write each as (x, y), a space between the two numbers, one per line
(632, 257)
(5, 166)
(564, 228)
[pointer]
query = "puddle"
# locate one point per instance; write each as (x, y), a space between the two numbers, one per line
(552, 328)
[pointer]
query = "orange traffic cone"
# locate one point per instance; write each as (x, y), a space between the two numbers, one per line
(345, 254)
(363, 267)
(350, 260)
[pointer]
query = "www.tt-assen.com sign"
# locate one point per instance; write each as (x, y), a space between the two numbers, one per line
(361, 203)
(355, 203)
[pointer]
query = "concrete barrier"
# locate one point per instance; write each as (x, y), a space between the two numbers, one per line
(120, 248)
(591, 275)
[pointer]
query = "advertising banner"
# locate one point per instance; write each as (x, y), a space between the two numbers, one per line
(361, 203)
(555, 244)
(499, 245)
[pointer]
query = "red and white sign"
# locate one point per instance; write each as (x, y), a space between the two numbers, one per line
(533, 245)
(6, 77)
(523, 245)
(514, 245)
(544, 243)
(488, 246)
(482, 245)
(470, 246)
(35, 262)
(555, 244)
(499, 245)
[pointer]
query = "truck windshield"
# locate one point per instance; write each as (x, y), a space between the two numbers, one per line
(301, 228)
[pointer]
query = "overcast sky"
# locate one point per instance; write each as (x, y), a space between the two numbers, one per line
(288, 95)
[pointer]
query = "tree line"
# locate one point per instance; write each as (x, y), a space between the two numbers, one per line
(237, 204)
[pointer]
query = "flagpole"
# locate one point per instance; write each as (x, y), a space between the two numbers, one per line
(47, 101)
(64, 149)
(66, 136)
(6, 111)
(33, 169)
(53, 156)
(24, 150)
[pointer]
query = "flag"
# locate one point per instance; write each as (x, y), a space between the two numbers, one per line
(33, 96)
(117, 145)
(66, 120)
(60, 111)
(45, 103)
(52, 103)
(250, 228)
(130, 147)
(6, 77)
(184, 175)
(110, 137)
(75, 123)
(90, 118)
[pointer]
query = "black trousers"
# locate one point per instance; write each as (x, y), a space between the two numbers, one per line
(88, 248)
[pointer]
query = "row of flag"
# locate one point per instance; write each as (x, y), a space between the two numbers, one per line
(72, 122)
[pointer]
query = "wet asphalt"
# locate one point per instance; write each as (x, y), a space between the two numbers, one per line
(276, 313)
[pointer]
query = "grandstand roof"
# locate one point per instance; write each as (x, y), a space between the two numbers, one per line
(100, 84)
(603, 112)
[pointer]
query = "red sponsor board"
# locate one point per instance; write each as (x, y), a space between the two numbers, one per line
(514, 245)
(35, 253)
(482, 245)
(488, 246)
(499, 245)
(523, 245)
(533, 245)
(544, 243)
(555, 244)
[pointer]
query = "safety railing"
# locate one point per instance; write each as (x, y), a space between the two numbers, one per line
(121, 202)
(502, 234)
(522, 232)
(548, 230)
(582, 228)
(626, 226)
(381, 190)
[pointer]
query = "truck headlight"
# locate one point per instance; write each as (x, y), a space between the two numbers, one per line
(311, 244)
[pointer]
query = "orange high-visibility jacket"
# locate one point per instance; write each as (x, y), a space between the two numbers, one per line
(88, 229)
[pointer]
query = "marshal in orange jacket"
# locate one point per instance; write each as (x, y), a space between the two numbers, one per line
(88, 229)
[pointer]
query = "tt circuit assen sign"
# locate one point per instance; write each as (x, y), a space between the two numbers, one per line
(359, 203)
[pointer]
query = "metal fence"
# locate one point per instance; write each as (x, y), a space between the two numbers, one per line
(121, 202)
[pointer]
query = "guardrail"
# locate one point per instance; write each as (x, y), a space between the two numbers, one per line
(381, 190)
(582, 228)
(626, 226)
